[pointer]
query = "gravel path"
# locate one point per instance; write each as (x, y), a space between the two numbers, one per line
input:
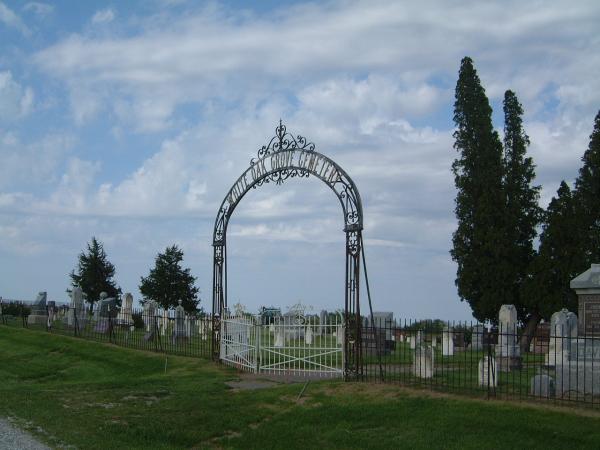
(11, 438)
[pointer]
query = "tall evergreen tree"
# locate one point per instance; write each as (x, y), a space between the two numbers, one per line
(95, 274)
(558, 259)
(168, 282)
(483, 273)
(522, 213)
(587, 196)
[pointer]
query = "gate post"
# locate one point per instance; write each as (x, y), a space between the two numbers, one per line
(257, 339)
(219, 297)
(352, 319)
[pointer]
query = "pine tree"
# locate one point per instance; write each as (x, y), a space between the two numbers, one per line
(95, 274)
(558, 259)
(483, 273)
(587, 197)
(168, 282)
(522, 213)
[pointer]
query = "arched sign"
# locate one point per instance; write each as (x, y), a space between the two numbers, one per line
(286, 156)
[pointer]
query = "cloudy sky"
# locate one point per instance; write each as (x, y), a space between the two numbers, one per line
(130, 121)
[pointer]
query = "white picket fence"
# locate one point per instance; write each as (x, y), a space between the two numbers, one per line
(287, 346)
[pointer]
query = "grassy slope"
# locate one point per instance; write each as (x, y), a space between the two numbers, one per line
(95, 396)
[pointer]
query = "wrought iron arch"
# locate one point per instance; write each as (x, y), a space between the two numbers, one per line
(286, 156)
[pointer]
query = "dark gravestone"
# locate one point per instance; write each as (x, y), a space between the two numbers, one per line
(372, 340)
(384, 322)
(541, 340)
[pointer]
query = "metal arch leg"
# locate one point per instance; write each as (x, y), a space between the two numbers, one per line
(219, 301)
(352, 319)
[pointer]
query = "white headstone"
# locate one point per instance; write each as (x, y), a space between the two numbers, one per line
(488, 373)
(563, 327)
(124, 316)
(423, 364)
(477, 337)
(447, 342)
(179, 321)
(339, 335)
(507, 332)
(164, 322)
(76, 308)
(279, 336)
(308, 335)
(148, 314)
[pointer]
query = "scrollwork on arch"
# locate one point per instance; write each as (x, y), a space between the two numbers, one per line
(283, 141)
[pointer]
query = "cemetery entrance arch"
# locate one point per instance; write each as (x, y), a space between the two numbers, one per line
(286, 156)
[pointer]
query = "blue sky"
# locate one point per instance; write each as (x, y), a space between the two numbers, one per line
(129, 121)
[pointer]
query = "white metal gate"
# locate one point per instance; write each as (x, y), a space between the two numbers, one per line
(238, 342)
(303, 346)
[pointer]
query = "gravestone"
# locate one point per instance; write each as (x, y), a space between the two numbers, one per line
(186, 326)
(148, 315)
(308, 335)
(417, 340)
(339, 335)
(487, 372)
(76, 314)
(272, 328)
(124, 317)
(587, 288)
(423, 363)
(279, 336)
(541, 339)
(563, 327)
(179, 331)
(577, 378)
(372, 341)
(508, 349)
(447, 341)
(477, 337)
(383, 320)
(51, 308)
(164, 322)
(323, 322)
(39, 312)
(293, 324)
(542, 385)
(107, 307)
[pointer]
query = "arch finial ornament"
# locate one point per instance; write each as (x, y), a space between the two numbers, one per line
(287, 156)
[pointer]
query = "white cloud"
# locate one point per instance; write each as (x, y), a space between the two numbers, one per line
(103, 16)
(38, 8)
(15, 101)
(216, 53)
(30, 165)
(10, 19)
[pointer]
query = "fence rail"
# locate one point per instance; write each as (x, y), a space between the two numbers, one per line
(559, 365)
(161, 331)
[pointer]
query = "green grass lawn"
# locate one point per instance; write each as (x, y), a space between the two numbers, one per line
(97, 396)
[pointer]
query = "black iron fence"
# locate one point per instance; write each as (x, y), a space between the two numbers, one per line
(557, 365)
(160, 331)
